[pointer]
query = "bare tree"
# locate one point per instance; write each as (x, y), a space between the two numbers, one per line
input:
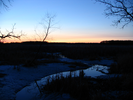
(10, 34)
(47, 25)
(123, 9)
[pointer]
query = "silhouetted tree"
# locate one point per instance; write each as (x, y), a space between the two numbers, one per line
(123, 9)
(9, 34)
(47, 24)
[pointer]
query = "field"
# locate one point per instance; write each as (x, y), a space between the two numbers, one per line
(22, 53)
(31, 55)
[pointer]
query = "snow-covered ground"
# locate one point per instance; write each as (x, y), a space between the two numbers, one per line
(18, 78)
(32, 91)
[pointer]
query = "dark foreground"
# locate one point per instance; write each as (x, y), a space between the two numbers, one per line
(119, 88)
(22, 53)
(87, 88)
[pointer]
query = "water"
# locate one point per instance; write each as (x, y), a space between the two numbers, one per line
(32, 92)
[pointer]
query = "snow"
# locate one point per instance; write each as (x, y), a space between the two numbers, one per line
(20, 77)
(16, 80)
(98, 62)
(32, 91)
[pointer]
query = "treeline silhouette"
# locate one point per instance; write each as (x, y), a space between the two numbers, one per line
(12, 53)
(118, 42)
(27, 42)
(110, 42)
(34, 42)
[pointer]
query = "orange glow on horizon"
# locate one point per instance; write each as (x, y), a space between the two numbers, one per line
(58, 40)
(68, 39)
(77, 41)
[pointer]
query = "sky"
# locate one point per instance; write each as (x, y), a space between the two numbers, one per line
(74, 21)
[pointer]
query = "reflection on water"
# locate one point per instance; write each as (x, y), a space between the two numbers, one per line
(32, 92)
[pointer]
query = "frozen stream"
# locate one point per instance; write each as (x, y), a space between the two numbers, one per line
(32, 93)
(19, 78)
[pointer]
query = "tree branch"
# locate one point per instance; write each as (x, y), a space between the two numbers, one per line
(119, 8)
(4, 4)
(10, 34)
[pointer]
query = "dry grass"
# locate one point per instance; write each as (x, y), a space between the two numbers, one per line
(23, 53)
(124, 64)
(2, 75)
(83, 88)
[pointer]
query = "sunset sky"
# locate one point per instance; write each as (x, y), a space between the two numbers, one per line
(76, 21)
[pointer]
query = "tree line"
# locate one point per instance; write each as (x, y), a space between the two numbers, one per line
(119, 42)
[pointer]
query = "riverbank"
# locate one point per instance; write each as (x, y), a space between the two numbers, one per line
(54, 58)
(105, 87)
(17, 77)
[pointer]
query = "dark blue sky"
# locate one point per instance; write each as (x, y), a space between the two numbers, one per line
(78, 21)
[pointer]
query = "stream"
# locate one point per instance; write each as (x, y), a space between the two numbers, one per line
(32, 92)
(97, 69)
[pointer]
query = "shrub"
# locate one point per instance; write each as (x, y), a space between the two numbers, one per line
(124, 64)
(92, 89)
